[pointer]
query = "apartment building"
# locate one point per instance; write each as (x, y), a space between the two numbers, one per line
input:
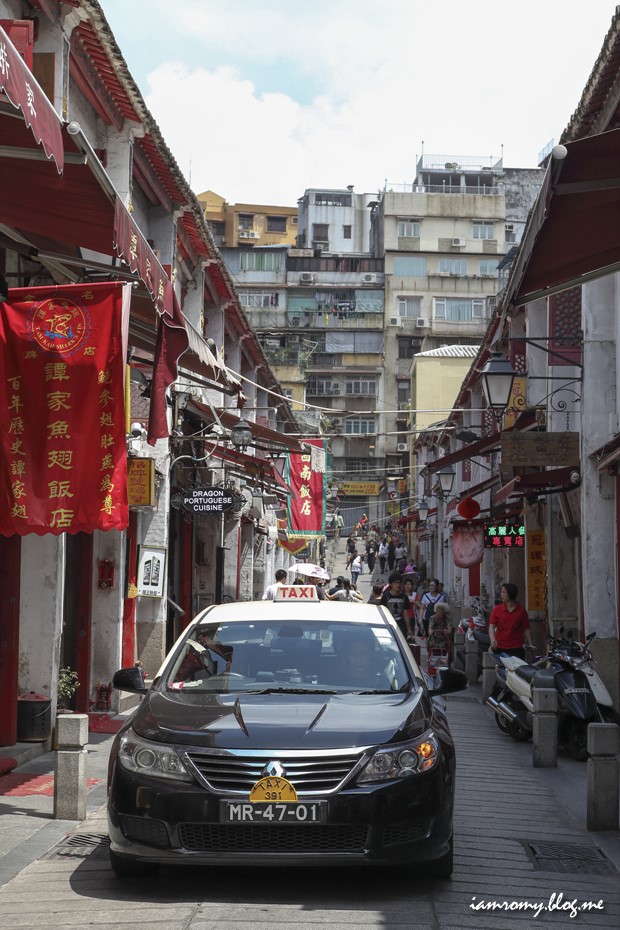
(446, 240)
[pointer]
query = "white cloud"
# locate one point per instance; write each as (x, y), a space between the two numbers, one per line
(466, 77)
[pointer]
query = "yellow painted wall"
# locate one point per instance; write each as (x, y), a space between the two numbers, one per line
(435, 385)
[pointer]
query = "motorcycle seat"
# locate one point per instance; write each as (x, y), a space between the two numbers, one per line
(526, 672)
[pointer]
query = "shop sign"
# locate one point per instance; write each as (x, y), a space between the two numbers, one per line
(504, 535)
(359, 488)
(536, 570)
(207, 500)
(540, 449)
(141, 482)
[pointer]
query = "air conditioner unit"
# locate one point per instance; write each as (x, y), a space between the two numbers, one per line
(307, 277)
(510, 227)
(320, 246)
(401, 447)
(458, 242)
(395, 321)
(422, 322)
(370, 279)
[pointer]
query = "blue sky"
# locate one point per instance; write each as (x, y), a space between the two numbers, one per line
(263, 99)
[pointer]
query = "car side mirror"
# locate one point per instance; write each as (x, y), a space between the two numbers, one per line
(130, 679)
(448, 680)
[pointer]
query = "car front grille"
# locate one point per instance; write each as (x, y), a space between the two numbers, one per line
(406, 831)
(235, 773)
(340, 838)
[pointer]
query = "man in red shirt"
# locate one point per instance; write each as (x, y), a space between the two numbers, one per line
(509, 626)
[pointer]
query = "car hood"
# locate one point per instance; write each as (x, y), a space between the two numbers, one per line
(282, 721)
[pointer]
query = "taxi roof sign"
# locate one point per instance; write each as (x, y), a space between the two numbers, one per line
(296, 592)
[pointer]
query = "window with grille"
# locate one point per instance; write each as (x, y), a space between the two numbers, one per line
(245, 221)
(330, 199)
(409, 306)
(458, 310)
(410, 266)
(261, 261)
(483, 230)
(362, 466)
(254, 299)
(320, 232)
(361, 385)
(456, 266)
(408, 228)
(276, 224)
(360, 426)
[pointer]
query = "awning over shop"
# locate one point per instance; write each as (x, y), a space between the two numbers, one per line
(249, 466)
(473, 491)
(543, 482)
(24, 93)
(573, 234)
(259, 432)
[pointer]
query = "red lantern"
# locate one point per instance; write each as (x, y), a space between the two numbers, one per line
(468, 508)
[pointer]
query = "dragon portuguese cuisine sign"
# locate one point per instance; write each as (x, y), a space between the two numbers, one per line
(63, 462)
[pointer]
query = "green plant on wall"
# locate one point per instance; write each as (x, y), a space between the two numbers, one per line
(67, 686)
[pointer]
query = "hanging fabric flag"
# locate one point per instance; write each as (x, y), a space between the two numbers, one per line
(306, 507)
(63, 456)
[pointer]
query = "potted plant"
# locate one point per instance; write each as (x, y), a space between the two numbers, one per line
(67, 686)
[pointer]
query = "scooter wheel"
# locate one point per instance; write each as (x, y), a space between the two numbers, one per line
(515, 730)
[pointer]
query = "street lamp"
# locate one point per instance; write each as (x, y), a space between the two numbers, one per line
(241, 436)
(446, 476)
(497, 378)
(423, 509)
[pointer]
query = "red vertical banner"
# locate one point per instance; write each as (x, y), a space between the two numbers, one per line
(306, 508)
(63, 458)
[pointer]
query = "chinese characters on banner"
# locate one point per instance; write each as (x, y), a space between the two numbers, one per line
(536, 570)
(63, 460)
(306, 508)
(504, 536)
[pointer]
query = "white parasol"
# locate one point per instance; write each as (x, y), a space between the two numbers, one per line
(310, 570)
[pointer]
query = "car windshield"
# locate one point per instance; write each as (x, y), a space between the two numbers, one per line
(289, 655)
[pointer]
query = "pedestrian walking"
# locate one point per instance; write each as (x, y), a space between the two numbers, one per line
(398, 604)
(383, 551)
(391, 555)
(357, 567)
(351, 549)
(371, 554)
(509, 624)
(270, 591)
(427, 604)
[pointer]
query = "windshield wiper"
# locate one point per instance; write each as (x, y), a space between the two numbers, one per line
(404, 688)
(290, 691)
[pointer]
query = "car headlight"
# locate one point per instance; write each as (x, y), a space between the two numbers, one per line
(418, 755)
(147, 758)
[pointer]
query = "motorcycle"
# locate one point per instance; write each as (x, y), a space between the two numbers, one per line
(582, 696)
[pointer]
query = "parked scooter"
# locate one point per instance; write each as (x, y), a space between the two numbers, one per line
(475, 628)
(582, 696)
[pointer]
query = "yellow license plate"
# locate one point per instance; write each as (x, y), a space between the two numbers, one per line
(273, 788)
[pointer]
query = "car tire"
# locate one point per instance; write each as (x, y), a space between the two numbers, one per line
(442, 868)
(127, 868)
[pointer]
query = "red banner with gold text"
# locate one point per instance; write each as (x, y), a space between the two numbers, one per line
(306, 507)
(63, 459)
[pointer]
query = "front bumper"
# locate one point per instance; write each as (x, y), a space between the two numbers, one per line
(167, 822)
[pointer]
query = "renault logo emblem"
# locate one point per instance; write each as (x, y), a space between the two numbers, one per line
(274, 770)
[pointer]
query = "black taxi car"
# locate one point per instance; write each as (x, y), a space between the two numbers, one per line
(289, 732)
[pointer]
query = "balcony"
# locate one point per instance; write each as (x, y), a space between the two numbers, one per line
(350, 319)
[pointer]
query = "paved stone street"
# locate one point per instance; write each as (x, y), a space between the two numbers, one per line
(520, 836)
